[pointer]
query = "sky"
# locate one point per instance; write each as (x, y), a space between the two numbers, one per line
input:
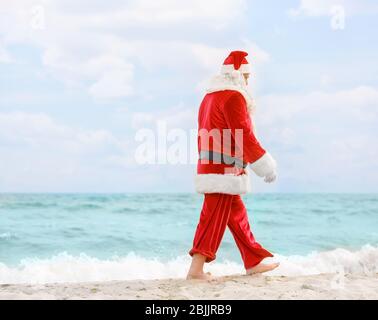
(81, 80)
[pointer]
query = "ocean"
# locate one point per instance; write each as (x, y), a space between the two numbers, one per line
(96, 237)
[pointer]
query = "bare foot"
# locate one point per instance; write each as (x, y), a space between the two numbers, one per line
(200, 276)
(261, 267)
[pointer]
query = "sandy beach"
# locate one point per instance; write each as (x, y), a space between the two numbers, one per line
(323, 286)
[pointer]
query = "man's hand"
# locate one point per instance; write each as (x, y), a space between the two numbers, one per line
(270, 177)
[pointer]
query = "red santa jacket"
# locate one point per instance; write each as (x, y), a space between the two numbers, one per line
(225, 128)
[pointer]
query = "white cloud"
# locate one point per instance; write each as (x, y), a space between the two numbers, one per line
(38, 155)
(315, 8)
(325, 80)
(30, 130)
(4, 55)
(323, 140)
(140, 119)
(150, 13)
(94, 46)
(179, 116)
(114, 83)
(360, 103)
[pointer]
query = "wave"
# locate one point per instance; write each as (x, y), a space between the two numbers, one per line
(83, 268)
(83, 206)
(7, 236)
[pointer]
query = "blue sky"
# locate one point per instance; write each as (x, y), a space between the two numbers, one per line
(77, 81)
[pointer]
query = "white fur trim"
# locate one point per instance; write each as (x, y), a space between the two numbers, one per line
(245, 68)
(264, 165)
(228, 68)
(222, 183)
(235, 82)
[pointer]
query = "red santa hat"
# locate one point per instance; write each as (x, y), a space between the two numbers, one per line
(236, 61)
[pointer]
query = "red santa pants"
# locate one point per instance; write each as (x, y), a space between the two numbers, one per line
(221, 210)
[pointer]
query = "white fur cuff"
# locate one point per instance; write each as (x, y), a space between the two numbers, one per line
(228, 68)
(222, 183)
(264, 165)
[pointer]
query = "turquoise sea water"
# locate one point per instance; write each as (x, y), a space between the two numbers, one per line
(162, 226)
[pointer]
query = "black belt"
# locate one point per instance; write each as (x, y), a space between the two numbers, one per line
(218, 157)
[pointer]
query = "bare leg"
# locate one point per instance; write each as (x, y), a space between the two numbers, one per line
(210, 230)
(196, 268)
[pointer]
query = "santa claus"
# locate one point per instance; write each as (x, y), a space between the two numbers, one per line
(227, 146)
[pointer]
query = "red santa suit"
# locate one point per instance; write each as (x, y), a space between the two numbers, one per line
(226, 145)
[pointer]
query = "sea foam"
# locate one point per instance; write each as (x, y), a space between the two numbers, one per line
(82, 268)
